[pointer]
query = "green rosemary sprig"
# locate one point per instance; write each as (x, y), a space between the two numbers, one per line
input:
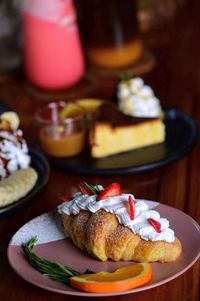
(94, 189)
(54, 270)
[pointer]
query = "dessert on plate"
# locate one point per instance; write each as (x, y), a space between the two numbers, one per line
(13, 147)
(17, 178)
(136, 122)
(114, 132)
(109, 224)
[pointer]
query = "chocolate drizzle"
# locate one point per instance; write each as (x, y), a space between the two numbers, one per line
(14, 137)
(109, 113)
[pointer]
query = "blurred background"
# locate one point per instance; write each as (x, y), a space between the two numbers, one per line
(146, 22)
(11, 43)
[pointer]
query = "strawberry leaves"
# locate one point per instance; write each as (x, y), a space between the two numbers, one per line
(89, 189)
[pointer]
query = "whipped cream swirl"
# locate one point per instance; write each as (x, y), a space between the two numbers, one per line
(137, 99)
(13, 152)
(119, 206)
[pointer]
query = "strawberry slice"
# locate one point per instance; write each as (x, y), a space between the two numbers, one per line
(113, 189)
(131, 207)
(155, 224)
(65, 198)
(84, 189)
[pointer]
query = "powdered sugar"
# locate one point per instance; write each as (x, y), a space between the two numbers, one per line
(46, 227)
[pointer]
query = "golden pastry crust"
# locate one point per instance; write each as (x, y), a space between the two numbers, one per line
(101, 235)
(75, 226)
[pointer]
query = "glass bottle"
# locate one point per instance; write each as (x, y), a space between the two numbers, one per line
(52, 47)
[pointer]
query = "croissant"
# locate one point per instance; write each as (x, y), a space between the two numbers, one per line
(102, 236)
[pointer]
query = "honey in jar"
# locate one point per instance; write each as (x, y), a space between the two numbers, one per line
(62, 129)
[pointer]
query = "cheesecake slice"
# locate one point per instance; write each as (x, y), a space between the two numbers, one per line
(114, 132)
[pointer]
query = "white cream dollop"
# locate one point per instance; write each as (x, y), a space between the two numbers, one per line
(14, 151)
(120, 207)
(137, 99)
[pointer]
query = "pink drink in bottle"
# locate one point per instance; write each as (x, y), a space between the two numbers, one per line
(53, 53)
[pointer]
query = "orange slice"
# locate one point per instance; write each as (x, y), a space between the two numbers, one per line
(71, 110)
(90, 105)
(122, 279)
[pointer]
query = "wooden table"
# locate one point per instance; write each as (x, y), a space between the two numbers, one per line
(176, 81)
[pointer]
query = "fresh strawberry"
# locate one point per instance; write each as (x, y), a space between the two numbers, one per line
(65, 198)
(113, 189)
(155, 224)
(131, 207)
(85, 190)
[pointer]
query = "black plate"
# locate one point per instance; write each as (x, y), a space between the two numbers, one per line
(3, 107)
(181, 136)
(42, 167)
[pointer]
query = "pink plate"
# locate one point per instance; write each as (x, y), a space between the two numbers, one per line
(54, 246)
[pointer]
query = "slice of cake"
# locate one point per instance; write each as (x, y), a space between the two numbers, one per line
(114, 132)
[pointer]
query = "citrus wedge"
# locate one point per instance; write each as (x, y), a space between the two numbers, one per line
(90, 105)
(122, 279)
(70, 111)
(12, 118)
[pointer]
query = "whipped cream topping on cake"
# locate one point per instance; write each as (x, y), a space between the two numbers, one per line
(13, 152)
(119, 206)
(137, 99)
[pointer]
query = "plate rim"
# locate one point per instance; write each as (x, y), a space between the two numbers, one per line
(31, 196)
(131, 170)
(136, 290)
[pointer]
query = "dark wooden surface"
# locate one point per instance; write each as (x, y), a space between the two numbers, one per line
(176, 81)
